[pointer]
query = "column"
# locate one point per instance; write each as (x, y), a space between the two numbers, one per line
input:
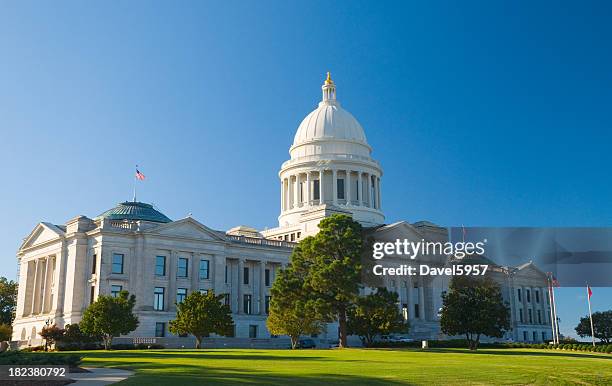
(335, 186)
(45, 284)
(239, 286)
(262, 287)
(410, 299)
(348, 187)
(378, 188)
(296, 193)
(307, 190)
(35, 288)
(421, 299)
(283, 195)
(321, 187)
(359, 189)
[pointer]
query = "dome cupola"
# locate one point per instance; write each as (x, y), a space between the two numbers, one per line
(135, 211)
(330, 167)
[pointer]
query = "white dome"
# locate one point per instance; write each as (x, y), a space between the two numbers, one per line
(329, 121)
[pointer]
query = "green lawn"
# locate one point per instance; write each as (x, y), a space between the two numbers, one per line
(357, 367)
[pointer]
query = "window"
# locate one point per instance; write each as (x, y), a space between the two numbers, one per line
(225, 273)
(92, 294)
(181, 294)
(158, 298)
(267, 277)
(357, 187)
(252, 331)
(117, 263)
(115, 289)
(160, 266)
(528, 296)
(405, 311)
(246, 304)
(537, 295)
(543, 336)
(534, 336)
(547, 299)
(245, 275)
(525, 336)
(204, 269)
(94, 262)
(267, 304)
(226, 298)
(519, 295)
(293, 237)
(160, 329)
(530, 316)
(315, 190)
(416, 311)
(182, 269)
(340, 188)
(521, 315)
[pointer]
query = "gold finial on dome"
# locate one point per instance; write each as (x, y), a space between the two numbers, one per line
(329, 79)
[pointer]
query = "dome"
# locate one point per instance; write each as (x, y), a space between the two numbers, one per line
(329, 121)
(134, 211)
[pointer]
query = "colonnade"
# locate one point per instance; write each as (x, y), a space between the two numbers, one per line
(39, 285)
(348, 187)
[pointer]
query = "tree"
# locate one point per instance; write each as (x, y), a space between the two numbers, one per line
(6, 332)
(201, 315)
(474, 307)
(110, 316)
(292, 312)
(51, 334)
(8, 300)
(602, 326)
(332, 269)
(375, 314)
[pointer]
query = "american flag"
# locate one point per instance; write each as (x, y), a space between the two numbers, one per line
(139, 175)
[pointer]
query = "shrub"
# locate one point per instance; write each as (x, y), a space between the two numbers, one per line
(33, 349)
(39, 358)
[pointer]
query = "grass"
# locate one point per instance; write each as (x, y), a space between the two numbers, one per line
(357, 367)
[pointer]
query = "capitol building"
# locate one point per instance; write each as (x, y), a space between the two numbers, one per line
(133, 246)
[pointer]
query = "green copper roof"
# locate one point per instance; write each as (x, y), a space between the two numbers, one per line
(134, 211)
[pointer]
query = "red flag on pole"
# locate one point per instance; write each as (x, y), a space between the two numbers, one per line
(589, 291)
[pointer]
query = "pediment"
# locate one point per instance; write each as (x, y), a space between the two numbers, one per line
(529, 270)
(186, 228)
(42, 233)
(400, 230)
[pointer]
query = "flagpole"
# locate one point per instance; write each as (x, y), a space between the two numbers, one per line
(552, 314)
(134, 198)
(590, 315)
(556, 325)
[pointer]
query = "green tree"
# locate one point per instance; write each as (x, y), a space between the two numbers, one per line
(51, 334)
(474, 307)
(602, 326)
(375, 314)
(292, 312)
(331, 261)
(110, 316)
(201, 315)
(8, 300)
(6, 332)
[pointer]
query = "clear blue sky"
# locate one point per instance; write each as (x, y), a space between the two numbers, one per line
(483, 113)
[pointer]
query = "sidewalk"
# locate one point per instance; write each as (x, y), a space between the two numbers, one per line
(99, 376)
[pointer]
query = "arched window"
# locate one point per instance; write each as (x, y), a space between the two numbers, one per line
(33, 336)
(23, 334)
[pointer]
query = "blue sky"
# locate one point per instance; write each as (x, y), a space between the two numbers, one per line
(481, 113)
